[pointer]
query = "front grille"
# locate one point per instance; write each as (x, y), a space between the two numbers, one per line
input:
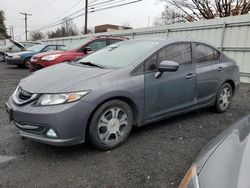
(21, 96)
(34, 67)
(24, 95)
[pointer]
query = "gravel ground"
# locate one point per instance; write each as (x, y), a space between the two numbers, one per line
(156, 155)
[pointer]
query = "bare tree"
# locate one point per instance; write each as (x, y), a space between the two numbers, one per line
(68, 28)
(125, 24)
(170, 16)
(36, 35)
(194, 10)
(3, 32)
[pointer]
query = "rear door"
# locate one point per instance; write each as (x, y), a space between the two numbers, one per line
(173, 91)
(209, 72)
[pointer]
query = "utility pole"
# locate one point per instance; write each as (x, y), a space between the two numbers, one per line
(26, 18)
(12, 31)
(86, 17)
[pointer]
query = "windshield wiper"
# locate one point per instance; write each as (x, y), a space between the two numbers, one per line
(91, 64)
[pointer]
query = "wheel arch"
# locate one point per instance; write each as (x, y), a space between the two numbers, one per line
(231, 82)
(130, 102)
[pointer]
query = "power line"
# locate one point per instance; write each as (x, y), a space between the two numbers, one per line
(50, 22)
(36, 5)
(91, 6)
(59, 22)
(114, 6)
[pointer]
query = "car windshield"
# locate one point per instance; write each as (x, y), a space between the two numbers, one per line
(36, 48)
(120, 54)
(75, 44)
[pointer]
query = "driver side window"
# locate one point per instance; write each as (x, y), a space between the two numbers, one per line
(180, 53)
(97, 45)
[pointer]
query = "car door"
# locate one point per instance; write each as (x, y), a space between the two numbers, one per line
(172, 91)
(209, 72)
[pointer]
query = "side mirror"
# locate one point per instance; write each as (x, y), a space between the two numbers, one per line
(168, 66)
(87, 50)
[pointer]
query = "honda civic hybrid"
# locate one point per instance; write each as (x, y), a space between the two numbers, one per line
(130, 83)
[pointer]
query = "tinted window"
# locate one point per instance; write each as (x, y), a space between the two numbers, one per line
(73, 44)
(180, 53)
(97, 45)
(205, 53)
(60, 47)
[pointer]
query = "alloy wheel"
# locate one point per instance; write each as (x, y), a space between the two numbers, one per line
(112, 125)
(225, 98)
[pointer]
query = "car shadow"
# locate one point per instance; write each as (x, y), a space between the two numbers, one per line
(136, 133)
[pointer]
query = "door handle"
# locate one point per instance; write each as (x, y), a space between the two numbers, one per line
(219, 69)
(190, 75)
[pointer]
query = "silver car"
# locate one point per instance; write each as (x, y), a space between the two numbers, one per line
(224, 162)
(131, 83)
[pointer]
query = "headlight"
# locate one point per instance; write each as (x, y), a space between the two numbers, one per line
(54, 99)
(190, 180)
(50, 57)
(16, 57)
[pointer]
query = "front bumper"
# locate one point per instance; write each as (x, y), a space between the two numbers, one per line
(68, 121)
(34, 66)
(12, 61)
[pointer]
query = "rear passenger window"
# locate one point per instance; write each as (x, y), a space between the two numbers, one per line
(180, 53)
(205, 53)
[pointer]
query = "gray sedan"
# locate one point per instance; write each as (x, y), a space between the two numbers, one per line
(224, 162)
(131, 83)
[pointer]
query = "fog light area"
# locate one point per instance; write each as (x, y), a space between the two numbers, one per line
(51, 133)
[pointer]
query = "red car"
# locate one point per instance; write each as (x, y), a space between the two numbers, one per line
(73, 51)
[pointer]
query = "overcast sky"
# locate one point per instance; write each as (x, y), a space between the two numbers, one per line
(45, 12)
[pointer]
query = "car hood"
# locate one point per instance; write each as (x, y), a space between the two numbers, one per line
(18, 44)
(228, 165)
(63, 77)
(53, 53)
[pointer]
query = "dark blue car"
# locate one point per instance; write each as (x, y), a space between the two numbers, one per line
(21, 59)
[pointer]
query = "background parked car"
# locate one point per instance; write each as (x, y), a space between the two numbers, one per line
(15, 46)
(133, 82)
(74, 51)
(21, 59)
(224, 162)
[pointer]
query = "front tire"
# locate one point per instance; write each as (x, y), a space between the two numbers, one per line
(110, 125)
(2, 57)
(223, 98)
(27, 63)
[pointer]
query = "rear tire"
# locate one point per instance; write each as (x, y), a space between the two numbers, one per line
(223, 98)
(110, 125)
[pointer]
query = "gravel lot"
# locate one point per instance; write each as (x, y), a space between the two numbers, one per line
(156, 155)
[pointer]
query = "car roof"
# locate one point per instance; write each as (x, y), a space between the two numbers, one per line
(168, 40)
